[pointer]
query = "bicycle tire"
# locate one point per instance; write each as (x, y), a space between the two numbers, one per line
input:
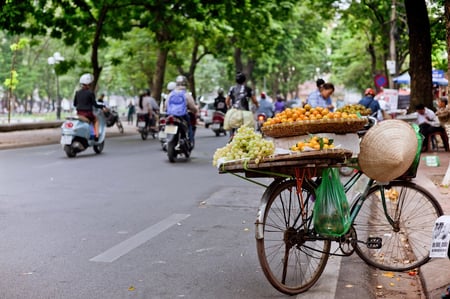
(298, 268)
(406, 246)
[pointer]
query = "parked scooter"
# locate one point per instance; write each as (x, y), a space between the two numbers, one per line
(178, 143)
(77, 134)
(217, 123)
(112, 118)
(260, 119)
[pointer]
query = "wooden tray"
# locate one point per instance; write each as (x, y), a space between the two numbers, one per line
(317, 126)
(287, 164)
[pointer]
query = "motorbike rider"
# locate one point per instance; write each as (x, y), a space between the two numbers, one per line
(369, 101)
(265, 106)
(219, 102)
(180, 108)
(145, 107)
(154, 106)
(84, 101)
(240, 94)
(162, 106)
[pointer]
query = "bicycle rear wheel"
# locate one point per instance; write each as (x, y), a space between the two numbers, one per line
(406, 242)
(290, 256)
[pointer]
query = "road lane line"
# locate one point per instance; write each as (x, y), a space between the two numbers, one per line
(140, 238)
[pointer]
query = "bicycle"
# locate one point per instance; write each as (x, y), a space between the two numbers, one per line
(390, 232)
(390, 229)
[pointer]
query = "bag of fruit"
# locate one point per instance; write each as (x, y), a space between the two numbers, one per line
(331, 215)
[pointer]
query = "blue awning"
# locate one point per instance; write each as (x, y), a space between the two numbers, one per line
(406, 79)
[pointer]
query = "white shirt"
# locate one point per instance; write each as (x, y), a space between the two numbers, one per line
(428, 117)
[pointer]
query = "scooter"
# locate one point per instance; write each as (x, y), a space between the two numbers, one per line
(162, 136)
(177, 139)
(77, 134)
(217, 123)
(143, 124)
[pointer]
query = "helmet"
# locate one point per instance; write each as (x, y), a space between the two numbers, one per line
(240, 77)
(181, 80)
(171, 86)
(263, 95)
(86, 79)
(369, 91)
(220, 91)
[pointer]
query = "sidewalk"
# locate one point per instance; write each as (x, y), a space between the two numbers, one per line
(25, 138)
(435, 275)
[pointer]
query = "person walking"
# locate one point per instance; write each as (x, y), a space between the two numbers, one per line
(131, 111)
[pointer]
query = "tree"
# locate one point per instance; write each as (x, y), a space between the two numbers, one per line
(420, 53)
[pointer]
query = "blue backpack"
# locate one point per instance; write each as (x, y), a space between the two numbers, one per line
(177, 105)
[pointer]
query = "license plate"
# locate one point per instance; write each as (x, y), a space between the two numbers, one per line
(215, 126)
(141, 124)
(65, 139)
(162, 135)
(170, 129)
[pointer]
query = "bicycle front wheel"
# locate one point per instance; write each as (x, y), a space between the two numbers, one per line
(291, 258)
(406, 241)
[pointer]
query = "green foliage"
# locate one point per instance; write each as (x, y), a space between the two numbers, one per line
(278, 43)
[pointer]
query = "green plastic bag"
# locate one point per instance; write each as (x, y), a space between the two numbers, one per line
(331, 210)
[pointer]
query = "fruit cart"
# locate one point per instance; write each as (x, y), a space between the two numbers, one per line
(291, 253)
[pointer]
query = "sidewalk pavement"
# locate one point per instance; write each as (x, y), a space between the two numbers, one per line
(434, 276)
(49, 135)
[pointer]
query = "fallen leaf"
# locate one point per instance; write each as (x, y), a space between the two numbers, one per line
(392, 284)
(131, 288)
(389, 274)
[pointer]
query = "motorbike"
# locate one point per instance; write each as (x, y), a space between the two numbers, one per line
(112, 118)
(217, 123)
(260, 119)
(77, 134)
(177, 139)
(162, 136)
(145, 126)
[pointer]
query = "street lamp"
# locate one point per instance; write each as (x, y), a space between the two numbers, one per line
(55, 59)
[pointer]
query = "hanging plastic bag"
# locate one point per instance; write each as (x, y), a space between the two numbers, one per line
(331, 211)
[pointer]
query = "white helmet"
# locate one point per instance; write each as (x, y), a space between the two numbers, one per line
(86, 79)
(171, 86)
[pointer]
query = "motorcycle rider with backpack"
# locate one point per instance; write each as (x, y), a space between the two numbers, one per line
(179, 102)
(240, 94)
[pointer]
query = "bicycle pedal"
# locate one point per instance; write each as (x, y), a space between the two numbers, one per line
(374, 243)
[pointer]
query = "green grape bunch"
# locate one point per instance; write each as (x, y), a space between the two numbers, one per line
(246, 144)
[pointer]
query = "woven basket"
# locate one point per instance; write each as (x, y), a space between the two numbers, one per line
(316, 126)
(387, 150)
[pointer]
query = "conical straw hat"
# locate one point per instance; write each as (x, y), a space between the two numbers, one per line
(387, 150)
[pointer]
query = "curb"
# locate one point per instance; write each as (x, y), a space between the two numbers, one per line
(30, 126)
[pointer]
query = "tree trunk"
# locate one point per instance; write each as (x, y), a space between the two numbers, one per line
(420, 53)
(96, 68)
(158, 78)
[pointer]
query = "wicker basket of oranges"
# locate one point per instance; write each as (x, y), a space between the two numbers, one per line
(308, 120)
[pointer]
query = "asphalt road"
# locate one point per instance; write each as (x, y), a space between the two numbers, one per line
(129, 224)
